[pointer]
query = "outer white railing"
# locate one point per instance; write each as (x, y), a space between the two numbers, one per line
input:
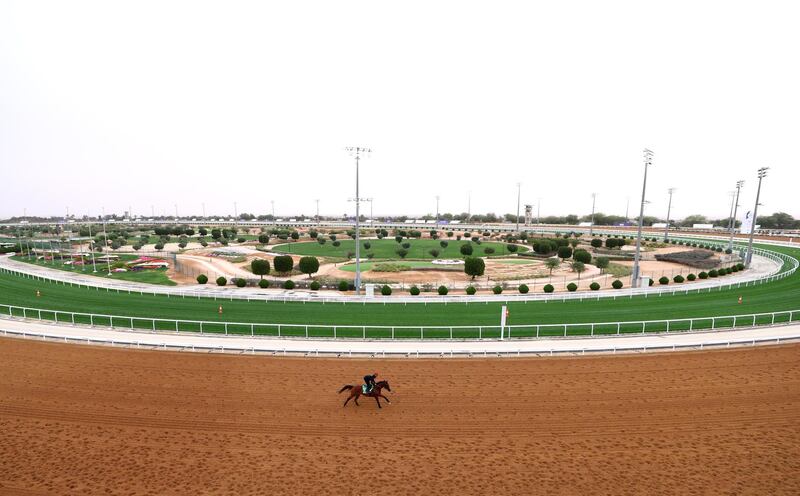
(404, 332)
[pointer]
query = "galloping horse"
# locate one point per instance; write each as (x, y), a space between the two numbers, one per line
(355, 392)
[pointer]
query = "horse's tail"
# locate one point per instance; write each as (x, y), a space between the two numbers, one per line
(348, 386)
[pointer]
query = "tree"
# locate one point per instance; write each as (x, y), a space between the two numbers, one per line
(283, 264)
(263, 238)
(203, 231)
(337, 243)
(443, 243)
(564, 252)
(474, 266)
(601, 263)
(406, 245)
(401, 252)
(597, 243)
(259, 267)
(466, 249)
(367, 245)
(399, 239)
(434, 253)
(582, 256)
(512, 248)
(578, 267)
(216, 234)
(552, 263)
(308, 265)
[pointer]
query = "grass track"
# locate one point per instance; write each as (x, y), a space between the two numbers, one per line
(385, 248)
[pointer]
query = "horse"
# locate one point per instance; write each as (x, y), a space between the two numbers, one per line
(355, 392)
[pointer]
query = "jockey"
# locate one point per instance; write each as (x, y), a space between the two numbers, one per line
(369, 380)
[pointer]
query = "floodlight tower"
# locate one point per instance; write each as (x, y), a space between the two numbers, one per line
(734, 209)
(357, 151)
(105, 237)
(437, 212)
(762, 173)
(591, 224)
(669, 207)
(317, 200)
(648, 161)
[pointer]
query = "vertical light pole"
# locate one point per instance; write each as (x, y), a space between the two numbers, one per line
(469, 205)
(648, 161)
(591, 224)
(273, 210)
(734, 210)
(437, 212)
(204, 210)
(317, 200)
(519, 186)
(762, 173)
(538, 210)
(627, 204)
(176, 212)
(105, 236)
(357, 151)
(91, 248)
(669, 207)
(152, 211)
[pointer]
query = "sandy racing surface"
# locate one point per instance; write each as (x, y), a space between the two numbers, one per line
(87, 420)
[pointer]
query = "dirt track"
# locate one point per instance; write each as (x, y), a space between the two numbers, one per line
(86, 420)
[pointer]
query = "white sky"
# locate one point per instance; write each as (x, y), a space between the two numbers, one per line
(157, 103)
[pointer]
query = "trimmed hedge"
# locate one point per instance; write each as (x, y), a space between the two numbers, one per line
(241, 282)
(663, 280)
(289, 284)
(678, 278)
(523, 288)
(497, 289)
(343, 286)
(572, 287)
(202, 279)
(594, 286)
(713, 273)
(691, 277)
(548, 288)
(413, 290)
(386, 290)
(617, 284)
(442, 290)
(703, 275)
(264, 284)
(471, 290)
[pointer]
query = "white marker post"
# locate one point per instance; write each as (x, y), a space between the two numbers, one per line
(503, 317)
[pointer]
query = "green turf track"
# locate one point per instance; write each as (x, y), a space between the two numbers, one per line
(386, 248)
(770, 297)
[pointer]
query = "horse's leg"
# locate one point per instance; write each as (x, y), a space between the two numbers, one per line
(348, 399)
(355, 399)
(378, 401)
(384, 397)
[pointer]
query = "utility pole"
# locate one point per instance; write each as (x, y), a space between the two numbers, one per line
(734, 209)
(317, 200)
(91, 248)
(273, 210)
(591, 224)
(519, 186)
(469, 205)
(437, 212)
(627, 204)
(762, 173)
(204, 210)
(176, 212)
(105, 236)
(357, 151)
(648, 161)
(669, 207)
(538, 209)
(235, 217)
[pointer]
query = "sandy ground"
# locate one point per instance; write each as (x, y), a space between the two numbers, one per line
(86, 420)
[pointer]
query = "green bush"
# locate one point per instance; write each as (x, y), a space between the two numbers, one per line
(548, 288)
(240, 239)
(471, 290)
(466, 249)
(241, 282)
(442, 290)
(314, 286)
(678, 278)
(401, 252)
(572, 287)
(443, 243)
(159, 246)
(406, 245)
(617, 284)
(582, 256)
(343, 285)
(289, 284)
(594, 286)
(221, 281)
(713, 273)
(367, 245)
(308, 265)
(740, 266)
(263, 284)
(337, 243)
(512, 248)
(703, 275)
(523, 288)
(259, 267)
(283, 264)
(691, 277)
(497, 289)
(413, 290)
(202, 279)
(663, 280)
(474, 266)
(597, 243)
(386, 290)
(564, 252)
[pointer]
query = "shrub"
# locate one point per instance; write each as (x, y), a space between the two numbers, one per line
(663, 280)
(221, 281)
(703, 275)
(434, 252)
(466, 249)
(401, 252)
(367, 245)
(295, 235)
(443, 243)
(202, 279)
(594, 286)
(582, 256)
(322, 241)
(740, 266)
(512, 248)
(159, 246)
(343, 285)
(488, 250)
(523, 288)
(259, 267)
(399, 239)
(240, 239)
(734, 268)
(474, 266)
(406, 245)
(597, 243)
(413, 290)
(442, 290)
(337, 243)
(471, 290)
(283, 264)
(601, 263)
(548, 288)
(497, 289)
(241, 282)
(308, 265)
(386, 290)
(713, 273)
(678, 278)
(288, 284)
(572, 287)
(691, 277)
(617, 284)
(263, 284)
(314, 286)
(564, 252)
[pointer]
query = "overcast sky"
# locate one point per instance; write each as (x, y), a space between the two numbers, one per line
(155, 103)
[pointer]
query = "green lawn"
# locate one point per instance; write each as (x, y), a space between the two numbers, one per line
(410, 263)
(146, 276)
(386, 248)
(776, 296)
